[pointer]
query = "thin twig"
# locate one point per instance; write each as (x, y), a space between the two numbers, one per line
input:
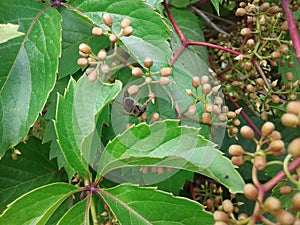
(292, 27)
(261, 72)
(209, 22)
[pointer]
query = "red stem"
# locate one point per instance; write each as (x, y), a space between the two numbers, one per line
(249, 121)
(292, 27)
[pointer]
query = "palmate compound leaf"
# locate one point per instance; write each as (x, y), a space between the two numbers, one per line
(150, 35)
(28, 67)
(76, 117)
(166, 144)
(135, 205)
(36, 206)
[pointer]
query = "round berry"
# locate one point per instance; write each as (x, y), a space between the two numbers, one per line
(92, 76)
(163, 81)
(236, 150)
(166, 71)
(188, 92)
(221, 216)
(154, 117)
(285, 190)
(107, 19)
(104, 68)
(133, 89)
(260, 162)
(276, 145)
(272, 204)
(125, 23)
(137, 72)
(82, 62)
(84, 54)
(192, 110)
(204, 80)
(275, 135)
(294, 148)
(296, 201)
(208, 107)
(250, 192)
(206, 118)
(113, 38)
(240, 12)
(284, 217)
(206, 88)
(231, 115)
(148, 62)
(293, 107)
(245, 32)
(237, 160)
(289, 77)
(97, 31)
(127, 31)
(196, 82)
(227, 206)
(148, 80)
(85, 48)
(290, 120)
(247, 132)
(267, 128)
(102, 54)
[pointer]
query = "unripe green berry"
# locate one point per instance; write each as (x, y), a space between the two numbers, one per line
(85, 48)
(250, 192)
(272, 204)
(163, 81)
(247, 132)
(148, 62)
(166, 71)
(125, 23)
(107, 19)
(127, 31)
(290, 120)
(267, 128)
(97, 31)
(133, 89)
(137, 72)
(294, 148)
(82, 62)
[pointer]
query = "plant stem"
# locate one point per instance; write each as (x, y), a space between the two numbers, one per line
(93, 211)
(292, 27)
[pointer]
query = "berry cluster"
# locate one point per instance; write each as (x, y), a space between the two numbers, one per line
(262, 40)
(102, 65)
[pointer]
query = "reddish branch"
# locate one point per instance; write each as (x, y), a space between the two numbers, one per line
(292, 27)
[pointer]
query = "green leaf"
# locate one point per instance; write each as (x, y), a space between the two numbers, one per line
(182, 3)
(9, 31)
(75, 31)
(28, 69)
(76, 119)
(150, 32)
(135, 205)
(168, 145)
(75, 215)
(216, 4)
(38, 205)
(32, 169)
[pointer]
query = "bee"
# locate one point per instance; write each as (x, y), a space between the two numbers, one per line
(132, 107)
